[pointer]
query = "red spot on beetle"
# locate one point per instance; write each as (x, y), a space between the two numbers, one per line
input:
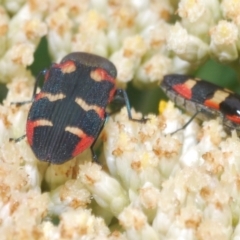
(183, 90)
(111, 94)
(234, 118)
(31, 125)
(100, 74)
(211, 104)
(85, 140)
(66, 67)
(85, 143)
(39, 96)
(46, 76)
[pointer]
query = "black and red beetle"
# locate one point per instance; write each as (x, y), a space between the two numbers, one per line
(69, 112)
(203, 99)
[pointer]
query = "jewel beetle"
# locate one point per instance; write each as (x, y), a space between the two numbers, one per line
(203, 99)
(69, 112)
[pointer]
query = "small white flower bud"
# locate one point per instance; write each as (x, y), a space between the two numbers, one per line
(186, 46)
(224, 37)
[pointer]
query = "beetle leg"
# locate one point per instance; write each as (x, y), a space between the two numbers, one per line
(187, 123)
(17, 139)
(34, 89)
(122, 93)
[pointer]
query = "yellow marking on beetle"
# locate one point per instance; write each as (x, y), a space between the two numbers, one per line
(76, 131)
(43, 122)
(96, 75)
(219, 96)
(68, 67)
(51, 97)
(190, 83)
(87, 107)
(100, 74)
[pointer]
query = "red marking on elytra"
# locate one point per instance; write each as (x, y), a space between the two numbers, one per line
(111, 94)
(30, 130)
(183, 90)
(31, 125)
(46, 76)
(104, 75)
(85, 142)
(211, 104)
(101, 113)
(86, 107)
(39, 96)
(66, 67)
(234, 118)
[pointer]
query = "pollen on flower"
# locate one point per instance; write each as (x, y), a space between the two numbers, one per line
(21, 88)
(162, 105)
(123, 17)
(231, 10)
(224, 41)
(72, 194)
(224, 33)
(186, 46)
(134, 47)
(214, 161)
(22, 54)
(149, 196)
(177, 39)
(213, 131)
(93, 21)
(108, 192)
(90, 173)
(191, 9)
(59, 21)
(79, 223)
(211, 229)
(131, 217)
(154, 68)
(4, 19)
(34, 29)
(134, 222)
(56, 175)
(190, 217)
(125, 66)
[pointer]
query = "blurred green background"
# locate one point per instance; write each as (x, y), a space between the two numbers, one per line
(145, 101)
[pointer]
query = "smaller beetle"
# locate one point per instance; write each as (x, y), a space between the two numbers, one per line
(69, 112)
(203, 99)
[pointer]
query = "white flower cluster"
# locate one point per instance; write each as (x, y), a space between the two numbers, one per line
(129, 33)
(150, 184)
(203, 33)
